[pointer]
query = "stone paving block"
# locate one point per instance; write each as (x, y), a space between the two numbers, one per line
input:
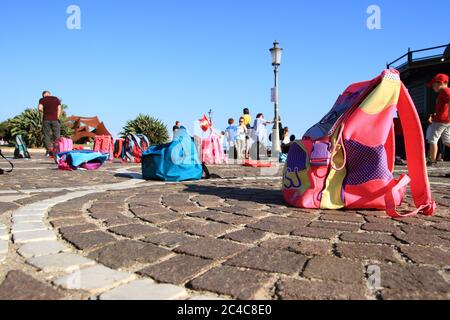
(161, 217)
(342, 217)
(20, 286)
(413, 279)
(145, 290)
(293, 289)
(240, 284)
(280, 225)
(89, 240)
(134, 230)
(246, 235)
(277, 261)
(80, 228)
(423, 239)
(334, 269)
(422, 255)
(3, 247)
(34, 236)
(94, 279)
(65, 262)
(334, 225)
(126, 253)
(229, 218)
(210, 248)
(177, 270)
(42, 248)
(396, 295)
(380, 227)
(366, 251)
(2, 257)
(309, 248)
(198, 228)
(2, 227)
(378, 238)
(169, 239)
(28, 226)
(66, 222)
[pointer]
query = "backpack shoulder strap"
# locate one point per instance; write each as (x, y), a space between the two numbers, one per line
(415, 153)
(10, 163)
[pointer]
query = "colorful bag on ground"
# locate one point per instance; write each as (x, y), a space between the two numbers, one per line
(119, 151)
(212, 151)
(135, 145)
(62, 145)
(175, 161)
(84, 159)
(2, 171)
(105, 145)
(21, 150)
(347, 159)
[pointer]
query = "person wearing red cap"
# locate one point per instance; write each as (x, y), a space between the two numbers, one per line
(440, 128)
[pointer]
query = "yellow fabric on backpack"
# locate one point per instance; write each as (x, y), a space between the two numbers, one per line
(384, 95)
(331, 195)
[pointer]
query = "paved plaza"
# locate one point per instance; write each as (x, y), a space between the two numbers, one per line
(109, 235)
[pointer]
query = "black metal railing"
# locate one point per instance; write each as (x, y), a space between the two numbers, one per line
(410, 56)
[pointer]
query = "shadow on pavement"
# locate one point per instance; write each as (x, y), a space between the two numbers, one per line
(262, 196)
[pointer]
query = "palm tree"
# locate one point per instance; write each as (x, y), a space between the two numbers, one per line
(29, 124)
(155, 130)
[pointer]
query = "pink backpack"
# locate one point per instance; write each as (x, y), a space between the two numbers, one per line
(105, 145)
(62, 145)
(212, 151)
(347, 159)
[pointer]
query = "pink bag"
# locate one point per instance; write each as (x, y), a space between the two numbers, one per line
(212, 151)
(105, 145)
(62, 144)
(347, 159)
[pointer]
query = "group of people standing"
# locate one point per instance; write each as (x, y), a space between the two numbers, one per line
(241, 137)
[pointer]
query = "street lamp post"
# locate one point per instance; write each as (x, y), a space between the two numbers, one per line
(276, 53)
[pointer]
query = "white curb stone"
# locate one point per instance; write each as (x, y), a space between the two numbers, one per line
(4, 235)
(3, 247)
(28, 212)
(95, 279)
(34, 236)
(42, 248)
(145, 290)
(24, 219)
(2, 258)
(28, 226)
(66, 262)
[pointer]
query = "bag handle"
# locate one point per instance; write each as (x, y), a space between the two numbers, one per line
(10, 163)
(391, 208)
(418, 174)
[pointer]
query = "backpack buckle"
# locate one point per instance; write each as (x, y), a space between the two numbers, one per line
(320, 154)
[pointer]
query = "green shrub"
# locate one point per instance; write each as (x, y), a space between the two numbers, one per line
(154, 129)
(30, 125)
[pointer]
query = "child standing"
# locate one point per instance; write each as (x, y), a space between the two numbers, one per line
(241, 136)
(230, 133)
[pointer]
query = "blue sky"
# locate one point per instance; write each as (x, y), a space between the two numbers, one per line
(177, 59)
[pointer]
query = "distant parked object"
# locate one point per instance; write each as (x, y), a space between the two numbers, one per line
(86, 129)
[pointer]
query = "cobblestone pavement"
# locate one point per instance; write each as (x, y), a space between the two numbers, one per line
(104, 235)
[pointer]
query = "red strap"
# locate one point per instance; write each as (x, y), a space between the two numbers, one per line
(415, 152)
(397, 191)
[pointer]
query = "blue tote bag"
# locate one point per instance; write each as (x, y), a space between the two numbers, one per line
(175, 161)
